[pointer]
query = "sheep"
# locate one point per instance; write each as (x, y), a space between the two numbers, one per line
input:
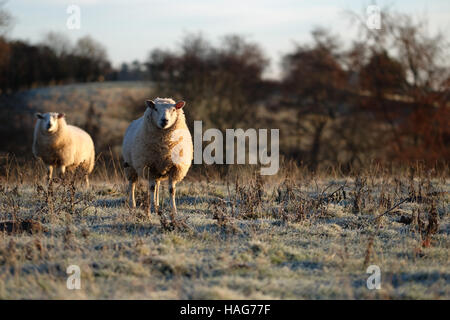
(62, 146)
(158, 146)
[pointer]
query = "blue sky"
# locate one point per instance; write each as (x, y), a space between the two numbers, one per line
(129, 29)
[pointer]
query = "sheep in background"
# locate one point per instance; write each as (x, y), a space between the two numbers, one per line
(158, 146)
(62, 146)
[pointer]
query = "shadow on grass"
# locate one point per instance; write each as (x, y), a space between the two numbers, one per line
(140, 229)
(193, 200)
(109, 203)
(120, 202)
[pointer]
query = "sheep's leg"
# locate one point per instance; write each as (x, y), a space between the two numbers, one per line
(86, 179)
(132, 177)
(176, 223)
(156, 199)
(62, 172)
(172, 190)
(131, 188)
(50, 173)
(151, 196)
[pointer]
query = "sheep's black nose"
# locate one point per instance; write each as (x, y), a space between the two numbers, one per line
(48, 126)
(164, 122)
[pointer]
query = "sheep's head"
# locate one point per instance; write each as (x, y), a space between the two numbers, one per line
(50, 122)
(163, 112)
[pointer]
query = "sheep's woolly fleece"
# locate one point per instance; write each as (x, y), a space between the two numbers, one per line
(147, 149)
(164, 101)
(69, 146)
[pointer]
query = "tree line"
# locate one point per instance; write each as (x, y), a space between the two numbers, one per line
(24, 65)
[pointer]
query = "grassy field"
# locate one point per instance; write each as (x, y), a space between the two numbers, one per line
(293, 236)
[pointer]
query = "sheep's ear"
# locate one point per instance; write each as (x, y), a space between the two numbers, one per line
(180, 104)
(61, 115)
(150, 104)
(39, 116)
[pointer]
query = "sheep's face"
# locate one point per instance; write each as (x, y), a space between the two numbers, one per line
(49, 122)
(164, 112)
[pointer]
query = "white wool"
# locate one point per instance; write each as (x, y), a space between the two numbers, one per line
(68, 147)
(147, 148)
(164, 101)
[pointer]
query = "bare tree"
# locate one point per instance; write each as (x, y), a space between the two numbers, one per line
(406, 82)
(58, 42)
(6, 20)
(91, 60)
(314, 83)
(90, 48)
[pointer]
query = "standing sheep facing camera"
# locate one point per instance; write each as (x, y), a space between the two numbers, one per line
(62, 146)
(156, 147)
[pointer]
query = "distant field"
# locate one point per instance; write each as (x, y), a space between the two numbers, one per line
(301, 238)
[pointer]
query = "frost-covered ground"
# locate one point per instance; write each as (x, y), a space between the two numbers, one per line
(305, 239)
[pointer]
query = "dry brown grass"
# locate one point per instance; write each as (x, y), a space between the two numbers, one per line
(295, 235)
